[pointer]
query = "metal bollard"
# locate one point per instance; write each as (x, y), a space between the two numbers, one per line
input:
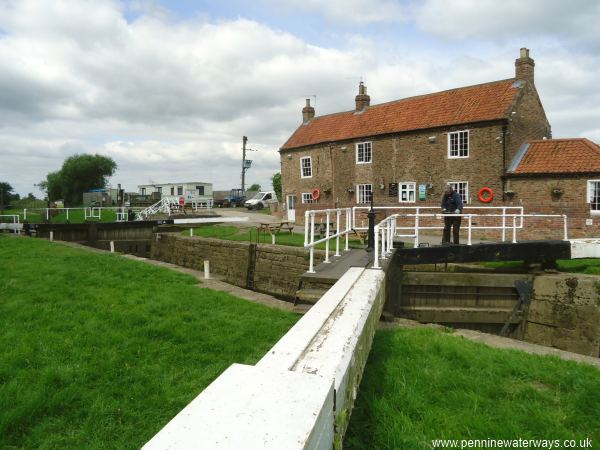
(191, 232)
(112, 246)
(273, 239)
(206, 269)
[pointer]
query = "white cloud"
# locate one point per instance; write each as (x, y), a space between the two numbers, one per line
(170, 99)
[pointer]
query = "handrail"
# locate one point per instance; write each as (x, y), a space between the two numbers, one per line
(309, 232)
(386, 229)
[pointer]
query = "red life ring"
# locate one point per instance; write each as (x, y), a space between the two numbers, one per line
(181, 201)
(485, 195)
(315, 194)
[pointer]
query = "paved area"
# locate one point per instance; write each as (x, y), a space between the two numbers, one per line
(497, 341)
(339, 265)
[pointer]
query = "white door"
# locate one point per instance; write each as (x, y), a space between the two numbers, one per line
(291, 208)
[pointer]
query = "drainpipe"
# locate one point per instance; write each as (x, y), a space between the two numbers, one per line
(503, 161)
(332, 176)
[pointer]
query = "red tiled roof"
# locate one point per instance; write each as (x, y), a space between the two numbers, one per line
(483, 102)
(560, 156)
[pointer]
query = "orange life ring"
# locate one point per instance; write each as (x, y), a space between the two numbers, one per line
(315, 194)
(488, 197)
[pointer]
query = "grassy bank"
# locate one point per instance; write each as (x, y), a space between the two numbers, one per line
(99, 351)
(424, 384)
(233, 233)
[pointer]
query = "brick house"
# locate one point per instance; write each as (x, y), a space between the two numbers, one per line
(558, 176)
(404, 152)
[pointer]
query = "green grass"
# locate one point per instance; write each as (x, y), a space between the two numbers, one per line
(586, 265)
(99, 351)
(232, 233)
(424, 384)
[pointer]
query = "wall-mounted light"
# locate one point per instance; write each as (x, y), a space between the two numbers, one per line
(289, 156)
(431, 139)
(343, 148)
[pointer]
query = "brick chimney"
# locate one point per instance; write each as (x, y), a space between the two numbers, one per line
(308, 112)
(524, 66)
(362, 99)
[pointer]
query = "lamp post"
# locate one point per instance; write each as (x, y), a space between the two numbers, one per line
(371, 235)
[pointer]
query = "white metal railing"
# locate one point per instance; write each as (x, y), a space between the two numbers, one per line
(504, 213)
(327, 215)
(163, 205)
(12, 217)
(387, 229)
(202, 204)
(94, 212)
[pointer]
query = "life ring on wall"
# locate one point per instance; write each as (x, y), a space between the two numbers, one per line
(315, 194)
(485, 195)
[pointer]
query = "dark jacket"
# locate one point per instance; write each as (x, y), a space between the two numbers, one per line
(452, 202)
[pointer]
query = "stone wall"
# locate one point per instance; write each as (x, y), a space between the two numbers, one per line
(272, 269)
(565, 313)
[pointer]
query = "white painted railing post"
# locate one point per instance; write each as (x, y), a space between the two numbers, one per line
(337, 232)
(273, 239)
(306, 220)
(47, 214)
(51, 236)
(469, 230)
(327, 219)
(376, 259)
(565, 227)
(191, 232)
(112, 246)
(383, 230)
(348, 227)
(311, 268)
(416, 231)
(514, 239)
(25, 214)
(503, 224)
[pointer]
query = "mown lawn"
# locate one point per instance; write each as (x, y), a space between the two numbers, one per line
(233, 233)
(585, 265)
(100, 352)
(424, 384)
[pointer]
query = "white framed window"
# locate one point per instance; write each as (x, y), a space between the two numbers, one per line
(364, 153)
(462, 187)
(143, 191)
(407, 191)
(179, 190)
(306, 167)
(364, 193)
(458, 144)
(593, 195)
(307, 198)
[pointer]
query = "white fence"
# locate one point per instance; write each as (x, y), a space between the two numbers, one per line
(326, 228)
(387, 229)
(13, 220)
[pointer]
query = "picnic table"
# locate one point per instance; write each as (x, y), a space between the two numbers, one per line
(275, 228)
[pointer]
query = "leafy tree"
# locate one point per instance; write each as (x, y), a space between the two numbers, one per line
(79, 173)
(254, 187)
(6, 194)
(276, 180)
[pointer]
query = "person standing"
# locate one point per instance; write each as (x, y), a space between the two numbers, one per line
(451, 204)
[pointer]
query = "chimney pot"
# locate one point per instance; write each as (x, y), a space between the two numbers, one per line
(524, 66)
(308, 112)
(362, 99)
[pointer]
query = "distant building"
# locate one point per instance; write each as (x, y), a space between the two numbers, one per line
(192, 191)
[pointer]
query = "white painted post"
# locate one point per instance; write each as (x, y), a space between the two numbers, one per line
(503, 224)
(51, 236)
(514, 239)
(348, 227)
(469, 230)
(383, 243)
(337, 231)
(376, 260)
(191, 232)
(206, 269)
(327, 218)
(311, 268)
(25, 214)
(112, 246)
(306, 220)
(565, 227)
(67, 213)
(416, 230)
(47, 214)
(273, 239)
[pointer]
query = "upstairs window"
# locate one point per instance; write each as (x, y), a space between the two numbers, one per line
(406, 192)
(200, 190)
(159, 189)
(364, 153)
(143, 191)
(462, 187)
(172, 190)
(179, 190)
(307, 197)
(305, 167)
(458, 144)
(594, 196)
(364, 193)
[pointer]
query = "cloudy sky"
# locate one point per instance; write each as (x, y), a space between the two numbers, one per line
(168, 88)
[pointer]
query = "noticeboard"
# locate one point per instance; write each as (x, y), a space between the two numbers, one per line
(422, 192)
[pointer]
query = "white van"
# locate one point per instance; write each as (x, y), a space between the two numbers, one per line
(261, 200)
